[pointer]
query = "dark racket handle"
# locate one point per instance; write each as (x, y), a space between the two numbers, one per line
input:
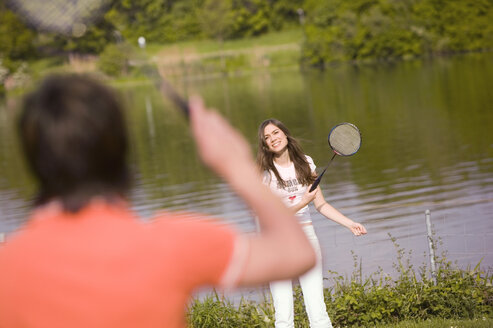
(317, 181)
(178, 100)
(168, 90)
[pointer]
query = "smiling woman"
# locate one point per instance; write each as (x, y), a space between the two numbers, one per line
(289, 172)
(275, 139)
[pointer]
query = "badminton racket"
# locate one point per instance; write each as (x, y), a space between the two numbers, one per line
(72, 18)
(344, 140)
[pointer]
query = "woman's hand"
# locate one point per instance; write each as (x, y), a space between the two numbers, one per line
(357, 228)
(333, 214)
(305, 200)
(308, 196)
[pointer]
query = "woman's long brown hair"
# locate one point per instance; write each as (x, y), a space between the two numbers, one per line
(265, 158)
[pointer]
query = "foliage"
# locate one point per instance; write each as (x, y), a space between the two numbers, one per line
(374, 301)
(218, 312)
(441, 323)
(335, 30)
(159, 21)
(375, 29)
(21, 76)
(464, 294)
(16, 40)
(251, 18)
(114, 60)
(456, 25)
(93, 41)
(216, 18)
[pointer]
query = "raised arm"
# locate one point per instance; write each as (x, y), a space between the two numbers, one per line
(333, 214)
(281, 250)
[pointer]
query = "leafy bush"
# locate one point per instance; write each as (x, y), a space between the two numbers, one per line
(378, 299)
(114, 60)
(383, 29)
(3, 75)
(458, 294)
(216, 312)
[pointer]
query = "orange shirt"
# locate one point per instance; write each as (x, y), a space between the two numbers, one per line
(102, 267)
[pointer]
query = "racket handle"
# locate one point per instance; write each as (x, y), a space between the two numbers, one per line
(178, 100)
(167, 90)
(317, 181)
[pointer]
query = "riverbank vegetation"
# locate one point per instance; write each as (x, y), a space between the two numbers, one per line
(410, 298)
(378, 29)
(216, 36)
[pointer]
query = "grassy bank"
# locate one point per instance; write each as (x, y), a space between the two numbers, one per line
(203, 47)
(460, 298)
(442, 323)
(277, 50)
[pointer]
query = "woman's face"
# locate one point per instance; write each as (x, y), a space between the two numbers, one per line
(275, 139)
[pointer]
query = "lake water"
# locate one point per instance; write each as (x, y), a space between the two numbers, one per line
(427, 128)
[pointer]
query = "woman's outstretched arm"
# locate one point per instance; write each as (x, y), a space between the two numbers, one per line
(333, 214)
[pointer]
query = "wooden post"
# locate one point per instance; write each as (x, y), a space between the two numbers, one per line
(431, 247)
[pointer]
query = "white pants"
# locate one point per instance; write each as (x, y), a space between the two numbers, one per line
(312, 287)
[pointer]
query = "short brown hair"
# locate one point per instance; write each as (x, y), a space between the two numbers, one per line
(74, 138)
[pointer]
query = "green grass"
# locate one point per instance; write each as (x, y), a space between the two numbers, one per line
(276, 50)
(442, 323)
(207, 46)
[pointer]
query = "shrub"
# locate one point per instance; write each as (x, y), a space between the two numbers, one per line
(385, 29)
(213, 311)
(114, 60)
(378, 299)
(458, 294)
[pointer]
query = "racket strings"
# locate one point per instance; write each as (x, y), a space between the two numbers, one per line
(345, 139)
(69, 17)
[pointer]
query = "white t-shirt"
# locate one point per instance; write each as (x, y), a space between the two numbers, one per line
(294, 191)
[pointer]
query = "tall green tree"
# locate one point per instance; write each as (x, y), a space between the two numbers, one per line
(451, 26)
(16, 39)
(93, 41)
(216, 18)
(160, 21)
(251, 18)
(383, 29)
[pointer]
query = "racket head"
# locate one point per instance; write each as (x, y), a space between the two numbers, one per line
(344, 139)
(70, 18)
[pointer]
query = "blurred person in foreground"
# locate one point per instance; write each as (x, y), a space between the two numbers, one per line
(84, 259)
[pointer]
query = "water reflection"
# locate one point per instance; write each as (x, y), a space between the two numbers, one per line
(427, 144)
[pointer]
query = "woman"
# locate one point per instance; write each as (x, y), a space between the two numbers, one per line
(289, 173)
